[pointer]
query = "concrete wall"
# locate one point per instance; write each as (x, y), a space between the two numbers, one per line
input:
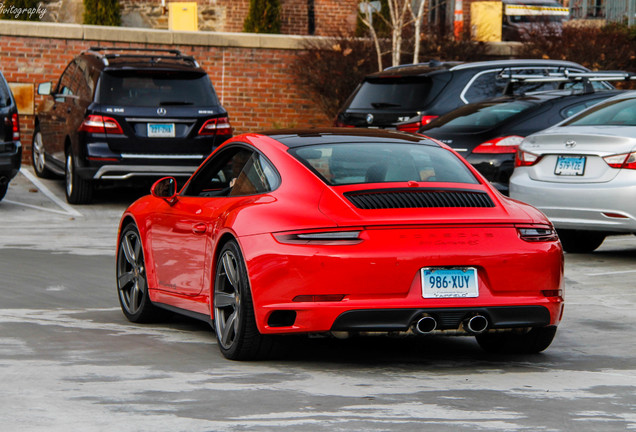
(250, 72)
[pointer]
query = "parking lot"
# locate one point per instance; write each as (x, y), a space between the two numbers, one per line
(71, 361)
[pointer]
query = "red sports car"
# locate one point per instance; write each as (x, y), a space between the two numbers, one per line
(337, 230)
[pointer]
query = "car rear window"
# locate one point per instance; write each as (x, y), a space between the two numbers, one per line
(152, 89)
(400, 93)
(355, 163)
(480, 116)
(620, 112)
(5, 100)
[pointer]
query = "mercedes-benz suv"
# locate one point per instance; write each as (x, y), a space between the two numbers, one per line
(126, 115)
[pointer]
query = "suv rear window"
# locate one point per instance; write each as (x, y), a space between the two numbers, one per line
(5, 100)
(152, 89)
(400, 93)
(355, 163)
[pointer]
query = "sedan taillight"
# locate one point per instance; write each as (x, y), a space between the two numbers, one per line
(100, 124)
(507, 144)
(525, 158)
(415, 126)
(622, 161)
(216, 126)
(15, 126)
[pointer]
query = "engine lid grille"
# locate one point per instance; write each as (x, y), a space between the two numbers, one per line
(410, 198)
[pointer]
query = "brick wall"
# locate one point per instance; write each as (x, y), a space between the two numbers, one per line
(251, 79)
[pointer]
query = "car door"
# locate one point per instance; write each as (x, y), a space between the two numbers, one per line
(183, 234)
(56, 111)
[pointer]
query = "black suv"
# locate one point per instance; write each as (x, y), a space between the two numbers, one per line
(10, 147)
(126, 114)
(417, 94)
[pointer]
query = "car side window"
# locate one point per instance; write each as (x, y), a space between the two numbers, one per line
(236, 171)
(69, 81)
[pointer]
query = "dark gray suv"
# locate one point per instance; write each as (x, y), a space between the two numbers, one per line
(417, 94)
(10, 146)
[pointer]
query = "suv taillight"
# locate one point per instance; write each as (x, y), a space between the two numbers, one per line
(507, 144)
(15, 126)
(415, 126)
(622, 161)
(524, 158)
(100, 124)
(216, 126)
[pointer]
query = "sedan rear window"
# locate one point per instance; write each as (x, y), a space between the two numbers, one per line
(481, 116)
(620, 112)
(395, 93)
(355, 163)
(154, 89)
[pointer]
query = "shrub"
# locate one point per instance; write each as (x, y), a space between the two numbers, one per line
(102, 12)
(263, 17)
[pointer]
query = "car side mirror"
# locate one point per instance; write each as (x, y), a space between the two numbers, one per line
(45, 88)
(166, 189)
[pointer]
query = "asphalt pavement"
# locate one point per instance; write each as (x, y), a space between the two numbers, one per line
(70, 361)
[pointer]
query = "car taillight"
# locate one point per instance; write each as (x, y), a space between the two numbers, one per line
(216, 126)
(321, 237)
(415, 125)
(525, 158)
(537, 233)
(622, 161)
(100, 124)
(507, 144)
(15, 126)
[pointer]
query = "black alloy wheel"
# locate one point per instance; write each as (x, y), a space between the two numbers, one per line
(234, 323)
(132, 285)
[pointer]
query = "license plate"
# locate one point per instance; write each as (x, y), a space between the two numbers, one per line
(160, 130)
(449, 282)
(570, 165)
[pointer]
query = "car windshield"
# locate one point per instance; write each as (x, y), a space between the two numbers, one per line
(394, 93)
(154, 89)
(480, 116)
(355, 163)
(620, 112)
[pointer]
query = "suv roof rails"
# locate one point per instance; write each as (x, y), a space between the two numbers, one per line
(141, 53)
(430, 63)
(564, 77)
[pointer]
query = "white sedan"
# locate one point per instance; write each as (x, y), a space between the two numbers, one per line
(582, 173)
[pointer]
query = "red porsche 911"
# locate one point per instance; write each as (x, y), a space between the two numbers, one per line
(337, 230)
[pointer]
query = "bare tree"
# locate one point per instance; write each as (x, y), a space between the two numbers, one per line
(398, 20)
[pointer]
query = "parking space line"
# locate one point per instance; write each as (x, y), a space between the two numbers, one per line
(47, 192)
(36, 207)
(611, 273)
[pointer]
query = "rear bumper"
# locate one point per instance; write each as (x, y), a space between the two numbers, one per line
(608, 207)
(125, 172)
(10, 159)
(447, 318)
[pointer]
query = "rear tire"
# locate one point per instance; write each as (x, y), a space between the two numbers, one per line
(234, 323)
(3, 190)
(78, 190)
(579, 241)
(531, 342)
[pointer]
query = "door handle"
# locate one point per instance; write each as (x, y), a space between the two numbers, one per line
(199, 228)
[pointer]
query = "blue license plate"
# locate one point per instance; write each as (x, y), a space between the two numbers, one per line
(449, 282)
(570, 165)
(160, 130)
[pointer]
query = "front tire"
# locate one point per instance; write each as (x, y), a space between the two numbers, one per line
(532, 341)
(132, 285)
(579, 241)
(234, 323)
(78, 190)
(37, 156)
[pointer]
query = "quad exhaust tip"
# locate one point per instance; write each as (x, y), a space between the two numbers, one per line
(476, 324)
(425, 325)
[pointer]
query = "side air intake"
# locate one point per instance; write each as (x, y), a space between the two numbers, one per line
(409, 198)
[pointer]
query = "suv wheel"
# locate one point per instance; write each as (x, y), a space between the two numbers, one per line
(37, 155)
(78, 190)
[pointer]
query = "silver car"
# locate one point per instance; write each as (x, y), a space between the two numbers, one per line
(582, 173)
